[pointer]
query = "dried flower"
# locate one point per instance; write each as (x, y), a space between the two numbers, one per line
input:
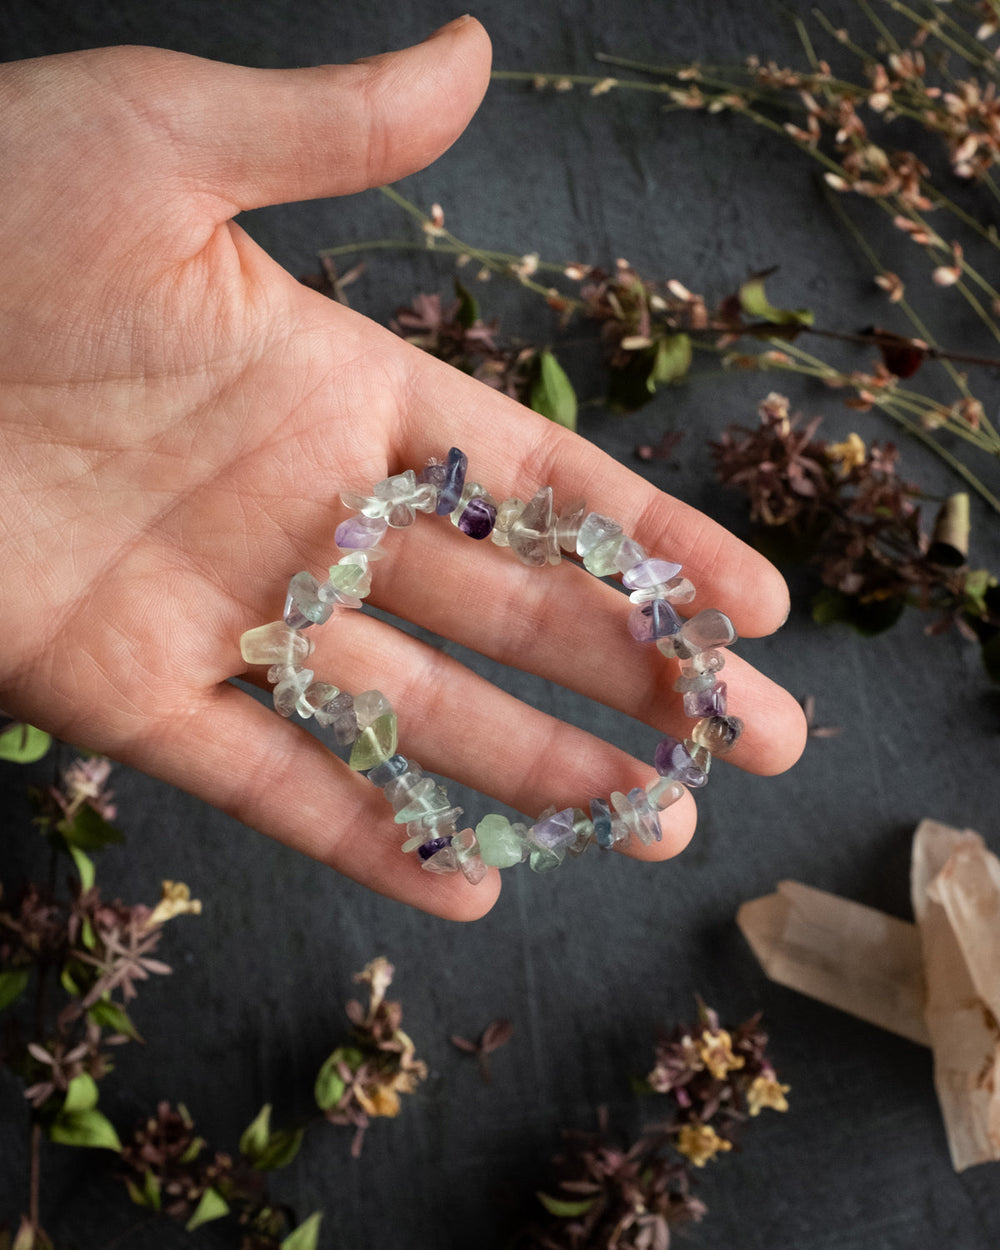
(364, 1080)
(496, 1034)
(848, 455)
(605, 1195)
(700, 1143)
(845, 506)
(175, 900)
(766, 1091)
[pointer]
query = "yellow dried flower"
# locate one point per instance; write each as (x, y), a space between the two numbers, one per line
(700, 1142)
(850, 454)
(175, 900)
(716, 1050)
(766, 1091)
(382, 1101)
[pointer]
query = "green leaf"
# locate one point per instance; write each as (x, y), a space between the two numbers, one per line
(868, 618)
(256, 1134)
(468, 309)
(68, 981)
(88, 829)
(87, 935)
(23, 744)
(13, 983)
(566, 1208)
(281, 1149)
(148, 1195)
(84, 1128)
(81, 1094)
(110, 1016)
(193, 1150)
(671, 362)
(552, 393)
(212, 1206)
(755, 303)
(84, 866)
(305, 1236)
(329, 1088)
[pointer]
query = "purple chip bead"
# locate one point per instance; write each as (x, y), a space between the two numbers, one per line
(656, 619)
(649, 573)
(431, 848)
(710, 702)
(434, 474)
(359, 532)
(555, 830)
(454, 482)
(672, 760)
(478, 518)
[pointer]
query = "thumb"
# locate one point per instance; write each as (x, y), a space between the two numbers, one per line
(252, 137)
(274, 136)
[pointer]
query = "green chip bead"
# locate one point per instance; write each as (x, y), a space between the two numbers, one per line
(500, 843)
(375, 744)
(545, 858)
(602, 560)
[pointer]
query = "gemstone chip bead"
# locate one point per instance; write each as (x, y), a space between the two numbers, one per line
(274, 643)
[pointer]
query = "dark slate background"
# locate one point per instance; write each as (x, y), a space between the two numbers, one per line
(588, 961)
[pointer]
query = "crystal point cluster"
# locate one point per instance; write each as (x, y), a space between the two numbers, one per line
(366, 723)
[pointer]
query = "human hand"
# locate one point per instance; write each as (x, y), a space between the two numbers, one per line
(178, 416)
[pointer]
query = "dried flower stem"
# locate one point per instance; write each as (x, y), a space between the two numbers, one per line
(434, 232)
(895, 405)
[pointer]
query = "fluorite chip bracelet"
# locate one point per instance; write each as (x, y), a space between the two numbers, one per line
(365, 724)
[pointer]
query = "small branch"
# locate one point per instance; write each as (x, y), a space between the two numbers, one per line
(35, 1178)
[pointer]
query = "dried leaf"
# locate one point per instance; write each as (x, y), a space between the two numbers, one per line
(496, 1034)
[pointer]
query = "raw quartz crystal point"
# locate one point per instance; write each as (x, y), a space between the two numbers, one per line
(303, 606)
(533, 534)
(451, 488)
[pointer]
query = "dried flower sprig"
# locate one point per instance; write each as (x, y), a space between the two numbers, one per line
(714, 1078)
(84, 956)
(171, 1170)
(648, 334)
(364, 1080)
(605, 1194)
(844, 507)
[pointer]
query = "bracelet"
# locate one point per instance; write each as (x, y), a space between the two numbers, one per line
(367, 723)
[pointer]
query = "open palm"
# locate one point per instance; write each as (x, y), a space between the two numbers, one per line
(178, 416)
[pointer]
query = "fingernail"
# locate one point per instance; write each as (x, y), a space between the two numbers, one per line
(452, 25)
